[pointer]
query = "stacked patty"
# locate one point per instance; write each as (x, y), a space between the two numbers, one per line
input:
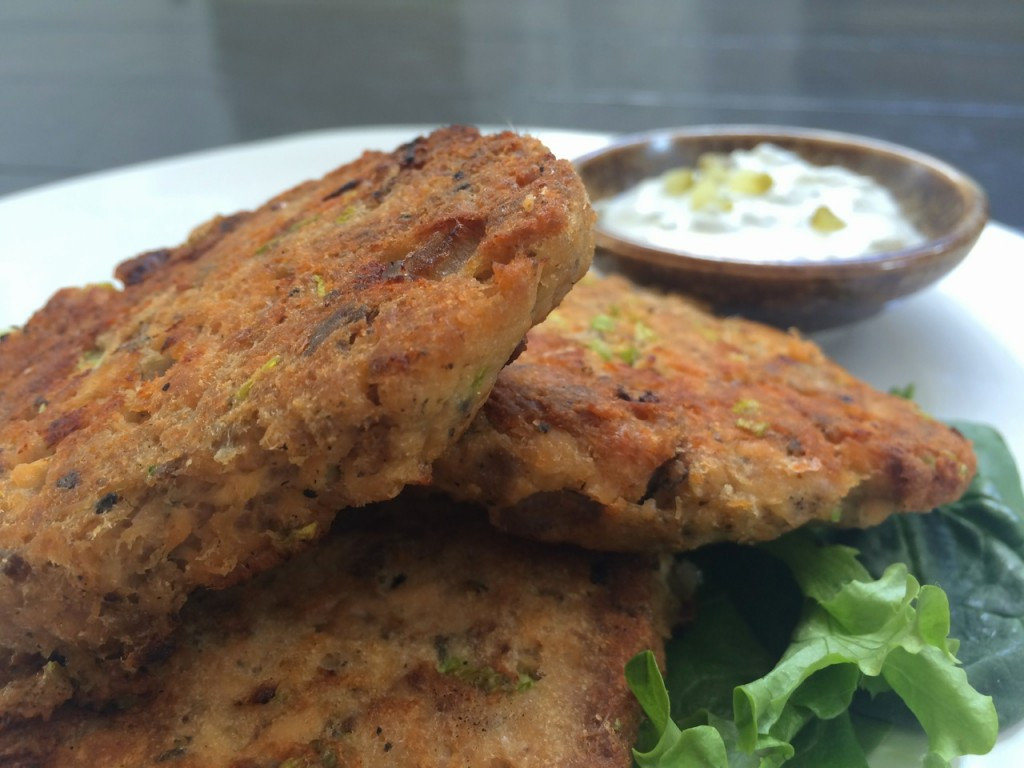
(637, 421)
(414, 635)
(208, 421)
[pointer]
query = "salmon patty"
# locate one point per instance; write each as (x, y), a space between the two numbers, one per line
(209, 419)
(638, 421)
(410, 637)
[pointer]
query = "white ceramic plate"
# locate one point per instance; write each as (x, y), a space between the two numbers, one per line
(960, 342)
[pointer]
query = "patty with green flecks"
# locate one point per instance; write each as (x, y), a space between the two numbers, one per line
(411, 637)
(638, 421)
(208, 420)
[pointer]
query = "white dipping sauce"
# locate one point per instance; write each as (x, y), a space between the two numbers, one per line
(724, 213)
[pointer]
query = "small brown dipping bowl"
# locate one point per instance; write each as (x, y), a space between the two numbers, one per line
(944, 204)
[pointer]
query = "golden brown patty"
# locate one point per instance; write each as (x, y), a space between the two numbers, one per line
(637, 421)
(208, 420)
(414, 637)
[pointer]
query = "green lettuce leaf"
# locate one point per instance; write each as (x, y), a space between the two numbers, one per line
(974, 550)
(801, 645)
(701, 746)
(855, 632)
(857, 627)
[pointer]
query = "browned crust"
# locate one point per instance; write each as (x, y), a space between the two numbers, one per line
(208, 420)
(350, 655)
(710, 429)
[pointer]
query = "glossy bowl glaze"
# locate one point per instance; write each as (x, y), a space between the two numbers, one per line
(947, 206)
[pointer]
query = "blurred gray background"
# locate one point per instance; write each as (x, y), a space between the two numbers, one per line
(93, 84)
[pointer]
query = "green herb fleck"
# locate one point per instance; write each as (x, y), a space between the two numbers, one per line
(90, 359)
(305, 533)
(484, 677)
(247, 385)
(757, 428)
(525, 682)
(479, 676)
(555, 320)
(906, 392)
(303, 223)
(643, 334)
(267, 245)
(601, 348)
(629, 355)
(321, 286)
(603, 324)
(478, 379)
(346, 214)
(746, 405)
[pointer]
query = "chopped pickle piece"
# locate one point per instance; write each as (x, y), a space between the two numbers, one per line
(704, 193)
(713, 165)
(748, 182)
(707, 196)
(677, 181)
(825, 221)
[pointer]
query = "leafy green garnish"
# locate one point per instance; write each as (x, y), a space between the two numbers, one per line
(855, 629)
(906, 392)
(700, 745)
(974, 550)
(830, 638)
(855, 632)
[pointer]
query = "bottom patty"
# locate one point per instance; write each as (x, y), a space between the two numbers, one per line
(412, 637)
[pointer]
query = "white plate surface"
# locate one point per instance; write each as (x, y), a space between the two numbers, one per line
(961, 342)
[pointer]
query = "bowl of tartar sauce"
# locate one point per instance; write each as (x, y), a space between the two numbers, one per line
(797, 227)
